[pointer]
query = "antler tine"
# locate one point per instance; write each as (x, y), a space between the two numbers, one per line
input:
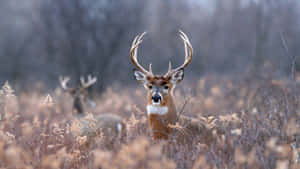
(185, 46)
(63, 82)
(133, 53)
(150, 68)
(90, 81)
(170, 66)
(188, 50)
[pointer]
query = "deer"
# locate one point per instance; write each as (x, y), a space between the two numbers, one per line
(161, 109)
(110, 126)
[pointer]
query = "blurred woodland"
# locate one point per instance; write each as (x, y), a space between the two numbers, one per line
(40, 40)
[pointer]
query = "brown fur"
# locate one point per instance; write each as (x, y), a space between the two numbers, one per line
(160, 124)
(158, 80)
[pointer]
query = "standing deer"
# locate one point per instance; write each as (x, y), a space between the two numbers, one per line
(161, 109)
(111, 126)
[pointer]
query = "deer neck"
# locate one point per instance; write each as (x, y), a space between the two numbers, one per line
(159, 118)
(78, 106)
(172, 113)
(167, 110)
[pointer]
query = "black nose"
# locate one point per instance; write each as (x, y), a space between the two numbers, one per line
(156, 98)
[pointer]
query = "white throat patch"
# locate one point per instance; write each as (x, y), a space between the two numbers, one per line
(119, 127)
(159, 110)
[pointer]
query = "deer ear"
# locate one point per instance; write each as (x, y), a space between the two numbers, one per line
(139, 76)
(177, 76)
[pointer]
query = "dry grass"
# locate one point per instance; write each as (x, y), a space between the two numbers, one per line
(255, 124)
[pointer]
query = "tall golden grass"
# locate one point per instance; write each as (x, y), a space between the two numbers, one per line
(256, 125)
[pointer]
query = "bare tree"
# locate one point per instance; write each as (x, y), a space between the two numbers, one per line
(291, 58)
(75, 37)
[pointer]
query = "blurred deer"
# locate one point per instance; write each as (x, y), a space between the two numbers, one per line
(161, 107)
(110, 126)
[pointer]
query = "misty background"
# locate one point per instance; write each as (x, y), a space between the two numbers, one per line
(43, 39)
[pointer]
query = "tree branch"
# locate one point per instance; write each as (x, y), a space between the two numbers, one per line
(292, 59)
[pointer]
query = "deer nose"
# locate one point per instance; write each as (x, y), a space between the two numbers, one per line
(156, 98)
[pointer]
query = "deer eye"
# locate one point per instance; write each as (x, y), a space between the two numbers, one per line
(150, 86)
(166, 87)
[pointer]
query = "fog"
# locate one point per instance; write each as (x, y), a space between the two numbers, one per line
(43, 39)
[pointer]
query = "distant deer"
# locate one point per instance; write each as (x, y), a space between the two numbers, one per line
(111, 126)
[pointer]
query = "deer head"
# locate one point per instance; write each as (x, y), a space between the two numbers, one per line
(160, 87)
(78, 93)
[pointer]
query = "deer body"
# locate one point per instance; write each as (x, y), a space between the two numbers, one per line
(160, 116)
(109, 126)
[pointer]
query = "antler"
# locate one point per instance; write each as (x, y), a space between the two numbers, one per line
(63, 82)
(133, 54)
(188, 50)
(90, 81)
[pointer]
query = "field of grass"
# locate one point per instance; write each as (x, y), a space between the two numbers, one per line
(254, 123)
